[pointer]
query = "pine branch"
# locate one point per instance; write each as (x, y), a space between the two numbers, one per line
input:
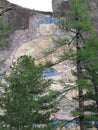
(82, 37)
(71, 41)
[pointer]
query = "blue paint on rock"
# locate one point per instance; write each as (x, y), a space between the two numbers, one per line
(47, 20)
(48, 72)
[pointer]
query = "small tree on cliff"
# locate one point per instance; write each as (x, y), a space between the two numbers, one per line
(4, 28)
(27, 99)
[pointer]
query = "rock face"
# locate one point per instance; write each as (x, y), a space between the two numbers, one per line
(31, 34)
(24, 25)
(61, 6)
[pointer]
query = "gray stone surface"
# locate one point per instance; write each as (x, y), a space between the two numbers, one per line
(25, 25)
(61, 6)
(23, 28)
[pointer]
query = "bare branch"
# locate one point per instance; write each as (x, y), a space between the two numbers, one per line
(82, 38)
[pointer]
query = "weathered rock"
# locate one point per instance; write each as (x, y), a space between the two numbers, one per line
(31, 34)
(61, 6)
(24, 25)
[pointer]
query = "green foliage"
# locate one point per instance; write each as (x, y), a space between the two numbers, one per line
(46, 53)
(78, 16)
(83, 84)
(85, 56)
(69, 54)
(27, 99)
(48, 64)
(60, 42)
(4, 29)
(89, 51)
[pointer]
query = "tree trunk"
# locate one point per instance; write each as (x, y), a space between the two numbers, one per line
(80, 91)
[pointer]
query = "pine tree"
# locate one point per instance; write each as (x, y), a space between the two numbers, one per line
(81, 23)
(90, 64)
(27, 100)
(78, 21)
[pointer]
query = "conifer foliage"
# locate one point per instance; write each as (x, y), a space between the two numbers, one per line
(85, 55)
(26, 99)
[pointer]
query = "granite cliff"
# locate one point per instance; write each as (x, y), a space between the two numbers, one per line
(31, 33)
(28, 25)
(61, 6)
